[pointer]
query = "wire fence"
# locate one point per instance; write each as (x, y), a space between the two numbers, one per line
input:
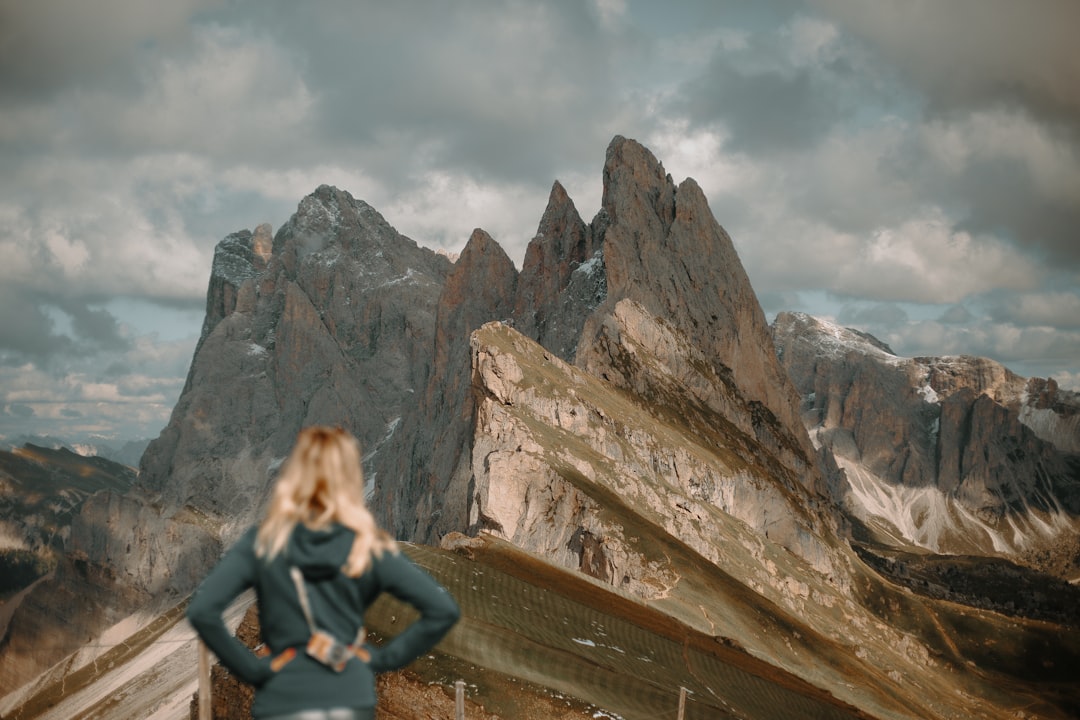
(205, 691)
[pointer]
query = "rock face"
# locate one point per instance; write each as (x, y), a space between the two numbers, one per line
(953, 454)
(646, 245)
(556, 453)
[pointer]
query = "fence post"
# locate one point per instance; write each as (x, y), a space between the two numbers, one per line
(682, 702)
(204, 682)
(459, 700)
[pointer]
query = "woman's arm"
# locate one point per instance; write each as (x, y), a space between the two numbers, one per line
(400, 577)
(234, 574)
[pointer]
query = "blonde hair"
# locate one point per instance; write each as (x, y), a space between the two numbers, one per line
(321, 483)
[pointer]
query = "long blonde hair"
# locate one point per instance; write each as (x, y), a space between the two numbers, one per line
(322, 482)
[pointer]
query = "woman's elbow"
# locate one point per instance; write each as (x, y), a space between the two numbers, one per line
(451, 613)
(199, 614)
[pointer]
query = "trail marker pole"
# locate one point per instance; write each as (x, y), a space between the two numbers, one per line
(682, 702)
(459, 700)
(204, 682)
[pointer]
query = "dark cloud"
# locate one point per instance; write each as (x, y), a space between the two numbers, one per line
(764, 111)
(97, 326)
(26, 331)
(972, 54)
(498, 89)
(974, 59)
(19, 410)
(785, 88)
(48, 45)
(1002, 198)
(921, 153)
(116, 370)
(28, 327)
(1059, 310)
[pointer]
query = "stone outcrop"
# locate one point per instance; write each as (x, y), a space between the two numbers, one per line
(955, 454)
(562, 457)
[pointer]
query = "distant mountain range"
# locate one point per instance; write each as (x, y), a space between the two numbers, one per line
(630, 479)
(127, 453)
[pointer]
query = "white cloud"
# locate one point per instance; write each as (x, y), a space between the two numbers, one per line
(925, 260)
(73, 399)
(611, 12)
(1028, 351)
(235, 94)
(442, 210)
(134, 139)
(699, 154)
(100, 244)
(1047, 309)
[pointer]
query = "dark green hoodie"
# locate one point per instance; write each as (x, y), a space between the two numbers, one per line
(337, 603)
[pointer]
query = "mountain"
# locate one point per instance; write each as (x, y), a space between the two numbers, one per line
(43, 488)
(128, 453)
(954, 455)
(42, 491)
(612, 464)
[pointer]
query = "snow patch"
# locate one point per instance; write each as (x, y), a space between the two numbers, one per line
(931, 519)
(929, 395)
(591, 266)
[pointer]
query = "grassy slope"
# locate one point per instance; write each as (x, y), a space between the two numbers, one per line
(527, 620)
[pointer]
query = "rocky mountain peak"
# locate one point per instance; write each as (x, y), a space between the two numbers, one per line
(562, 277)
(637, 190)
(663, 249)
(262, 245)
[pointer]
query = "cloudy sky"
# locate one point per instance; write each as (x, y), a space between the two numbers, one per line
(908, 168)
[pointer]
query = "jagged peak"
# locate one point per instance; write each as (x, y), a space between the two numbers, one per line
(633, 176)
(480, 242)
(482, 261)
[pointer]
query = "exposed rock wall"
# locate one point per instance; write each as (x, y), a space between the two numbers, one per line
(664, 249)
(426, 485)
(938, 448)
(557, 450)
(562, 277)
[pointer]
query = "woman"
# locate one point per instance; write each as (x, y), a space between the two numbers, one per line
(317, 522)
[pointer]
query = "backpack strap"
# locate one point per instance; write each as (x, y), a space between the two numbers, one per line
(301, 590)
(305, 605)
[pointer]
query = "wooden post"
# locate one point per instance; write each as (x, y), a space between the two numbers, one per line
(459, 700)
(204, 682)
(682, 702)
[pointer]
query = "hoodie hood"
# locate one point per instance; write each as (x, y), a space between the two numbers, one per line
(319, 553)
